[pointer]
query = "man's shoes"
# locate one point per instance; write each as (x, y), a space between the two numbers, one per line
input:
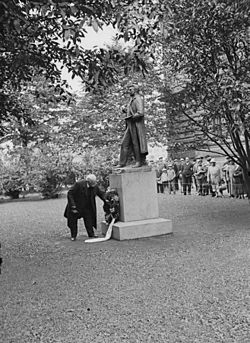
(73, 238)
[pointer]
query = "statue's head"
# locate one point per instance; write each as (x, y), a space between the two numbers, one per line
(134, 89)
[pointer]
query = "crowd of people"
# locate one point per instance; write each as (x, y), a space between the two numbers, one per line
(202, 176)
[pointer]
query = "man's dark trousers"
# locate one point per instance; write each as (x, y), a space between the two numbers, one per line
(88, 222)
(87, 216)
(186, 182)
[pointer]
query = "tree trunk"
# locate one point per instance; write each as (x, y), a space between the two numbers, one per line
(246, 176)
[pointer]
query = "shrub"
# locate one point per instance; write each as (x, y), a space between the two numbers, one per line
(52, 168)
(97, 161)
(12, 177)
(12, 184)
(46, 169)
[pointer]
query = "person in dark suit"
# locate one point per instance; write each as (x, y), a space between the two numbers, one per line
(82, 204)
(187, 173)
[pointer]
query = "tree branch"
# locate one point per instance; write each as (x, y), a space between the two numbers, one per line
(211, 136)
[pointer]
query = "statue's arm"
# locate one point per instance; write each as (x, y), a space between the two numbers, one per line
(139, 105)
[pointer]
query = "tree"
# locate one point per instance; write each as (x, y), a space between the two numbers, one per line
(13, 174)
(36, 111)
(37, 37)
(208, 48)
(97, 119)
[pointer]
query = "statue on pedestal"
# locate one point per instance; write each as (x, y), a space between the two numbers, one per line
(134, 139)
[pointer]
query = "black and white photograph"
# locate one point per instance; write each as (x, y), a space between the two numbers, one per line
(125, 171)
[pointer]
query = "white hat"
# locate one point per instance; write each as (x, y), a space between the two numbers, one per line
(212, 160)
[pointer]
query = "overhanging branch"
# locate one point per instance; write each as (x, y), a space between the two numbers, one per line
(211, 136)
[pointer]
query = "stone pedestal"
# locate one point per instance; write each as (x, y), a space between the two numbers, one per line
(139, 213)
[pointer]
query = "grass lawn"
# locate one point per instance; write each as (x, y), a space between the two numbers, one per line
(190, 287)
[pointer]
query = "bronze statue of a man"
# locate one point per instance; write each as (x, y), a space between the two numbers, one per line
(134, 138)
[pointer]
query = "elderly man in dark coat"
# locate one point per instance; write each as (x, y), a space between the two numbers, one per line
(134, 138)
(82, 204)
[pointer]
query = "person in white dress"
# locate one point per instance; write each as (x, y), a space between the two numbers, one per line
(214, 177)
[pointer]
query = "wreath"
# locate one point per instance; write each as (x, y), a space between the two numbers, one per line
(112, 206)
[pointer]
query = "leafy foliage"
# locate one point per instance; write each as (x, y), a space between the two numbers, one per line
(34, 112)
(207, 43)
(97, 119)
(98, 161)
(50, 169)
(39, 37)
(47, 169)
(42, 169)
(196, 54)
(14, 173)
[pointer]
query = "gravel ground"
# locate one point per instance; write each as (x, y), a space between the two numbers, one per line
(192, 286)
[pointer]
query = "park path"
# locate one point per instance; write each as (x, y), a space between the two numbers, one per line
(192, 286)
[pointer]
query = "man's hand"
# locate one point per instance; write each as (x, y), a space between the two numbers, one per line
(74, 210)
